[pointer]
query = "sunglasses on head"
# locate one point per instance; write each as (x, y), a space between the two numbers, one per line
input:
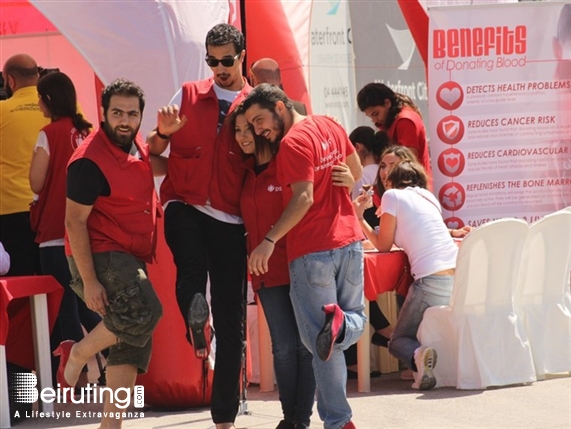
(226, 62)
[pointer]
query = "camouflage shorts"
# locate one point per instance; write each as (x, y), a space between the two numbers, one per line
(134, 309)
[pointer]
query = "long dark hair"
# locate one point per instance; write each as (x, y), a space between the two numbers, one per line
(375, 94)
(407, 173)
(58, 95)
(374, 142)
(403, 153)
(263, 145)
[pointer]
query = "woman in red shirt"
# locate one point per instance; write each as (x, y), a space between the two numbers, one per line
(56, 142)
(261, 205)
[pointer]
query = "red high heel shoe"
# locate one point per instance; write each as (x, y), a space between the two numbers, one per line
(63, 351)
(332, 328)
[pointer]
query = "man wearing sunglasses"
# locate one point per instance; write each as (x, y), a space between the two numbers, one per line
(203, 227)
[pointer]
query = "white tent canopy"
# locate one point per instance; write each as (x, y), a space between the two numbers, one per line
(157, 44)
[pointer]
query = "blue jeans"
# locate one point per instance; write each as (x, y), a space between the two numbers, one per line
(426, 292)
(292, 360)
(333, 276)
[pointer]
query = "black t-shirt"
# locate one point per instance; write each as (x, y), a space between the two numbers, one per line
(86, 182)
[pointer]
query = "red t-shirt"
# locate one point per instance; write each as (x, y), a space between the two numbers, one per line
(307, 154)
(408, 130)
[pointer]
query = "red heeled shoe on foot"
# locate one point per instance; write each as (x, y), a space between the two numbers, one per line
(332, 328)
(63, 351)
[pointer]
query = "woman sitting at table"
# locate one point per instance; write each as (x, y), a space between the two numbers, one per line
(411, 218)
(393, 155)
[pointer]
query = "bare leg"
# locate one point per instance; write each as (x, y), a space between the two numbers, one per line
(82, 381)
(98, 339)
(117, 376)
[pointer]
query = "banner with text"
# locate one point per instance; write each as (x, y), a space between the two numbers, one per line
(385, 52)
(331, 62)
(500, 110)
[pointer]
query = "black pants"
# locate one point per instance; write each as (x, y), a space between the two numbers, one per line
(203, 246)
(19, 241)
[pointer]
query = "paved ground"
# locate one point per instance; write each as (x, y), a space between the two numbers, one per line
(390, 404)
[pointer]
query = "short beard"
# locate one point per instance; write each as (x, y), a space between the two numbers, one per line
(278, 124)
(119, 139)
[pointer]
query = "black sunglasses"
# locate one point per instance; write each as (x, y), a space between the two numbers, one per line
(226, 62)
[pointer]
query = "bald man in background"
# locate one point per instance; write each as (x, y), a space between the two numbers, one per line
(267, 70)
(21, 121)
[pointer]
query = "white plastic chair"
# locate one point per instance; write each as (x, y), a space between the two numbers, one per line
(479, 339)
(543, 298)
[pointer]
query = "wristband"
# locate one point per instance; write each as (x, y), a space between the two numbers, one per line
(162, 136)
(270, 240)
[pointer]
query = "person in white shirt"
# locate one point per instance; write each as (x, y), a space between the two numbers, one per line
(369, 146)
(4, 261)
(411, 218)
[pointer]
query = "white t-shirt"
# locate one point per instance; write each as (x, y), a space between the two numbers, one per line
(4, 261)
(420, 230)
(369, 177)
(226, 96)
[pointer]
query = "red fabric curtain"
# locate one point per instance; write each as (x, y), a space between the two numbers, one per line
(274, 39)
(417, 20)
(20, 17)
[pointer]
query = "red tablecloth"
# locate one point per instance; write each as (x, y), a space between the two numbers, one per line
(15, 314)
(383, 271)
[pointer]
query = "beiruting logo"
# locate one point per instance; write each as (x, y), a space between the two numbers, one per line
(24, 390)
(334, 6)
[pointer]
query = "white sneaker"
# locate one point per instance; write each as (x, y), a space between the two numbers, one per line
(425, 360)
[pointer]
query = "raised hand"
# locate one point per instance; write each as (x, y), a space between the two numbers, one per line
(169, 121)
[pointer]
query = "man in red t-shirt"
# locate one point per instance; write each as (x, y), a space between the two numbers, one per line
(397, 115)
(323, 239)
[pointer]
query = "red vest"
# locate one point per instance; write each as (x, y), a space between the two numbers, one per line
(203, 164)
(47, 214)
(415, 138)
(262, 206)
(126, 220)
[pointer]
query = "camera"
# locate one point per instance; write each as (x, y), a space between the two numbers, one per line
(3, 94)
